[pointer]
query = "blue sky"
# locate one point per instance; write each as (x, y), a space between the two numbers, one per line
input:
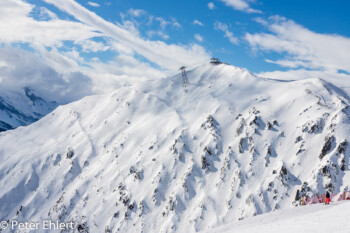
(109, 42)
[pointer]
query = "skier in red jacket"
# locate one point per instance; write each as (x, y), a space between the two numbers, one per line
(328, 197)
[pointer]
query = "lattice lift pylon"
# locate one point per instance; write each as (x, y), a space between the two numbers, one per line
(185, 81)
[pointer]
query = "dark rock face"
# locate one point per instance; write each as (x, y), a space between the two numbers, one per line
(268, 125)
(205, 164)
(342, 147)
(83, 228)
(298, 139)
(283, 171)
(328, 146)
(297, 195)
(70, 153)
(314, 126)
(283, 176)
(138, 174)
(32, 96)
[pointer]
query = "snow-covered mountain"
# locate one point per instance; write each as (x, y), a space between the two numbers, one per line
(22, 108)
(160, 157)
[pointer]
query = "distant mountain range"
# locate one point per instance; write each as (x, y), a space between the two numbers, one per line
(22, 108)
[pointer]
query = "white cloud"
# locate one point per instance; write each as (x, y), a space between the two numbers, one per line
(12, 10)
(161, 34)
(125, 64)
(47, 14)
(211, 6)
(136, 12)
(301, 47)
(290, 63)
(198, 37)
(130, 26)
(137, 19)
(17, 26)
(261, 21)
(93, 4)
(26, 69)
(164, 23)
(241, 5)
(223, 27)
(93, 46)
(167, 56)
(197, 22)
(176, 24)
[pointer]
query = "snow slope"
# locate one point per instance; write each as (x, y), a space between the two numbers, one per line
(22, 108)
(159, 157)
(317, 218)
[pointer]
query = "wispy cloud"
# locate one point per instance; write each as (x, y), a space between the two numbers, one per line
(93, 46)
(167, 56)
(136, 12)
(228, 34)
(300, 47)
(241, 5)
(198, 37)
(161, 34)
(290, 63)
(94, 4)
(46, 14)
(197, 22)
(164, 23)
(211, 6)
(138, 21)
(17, 26)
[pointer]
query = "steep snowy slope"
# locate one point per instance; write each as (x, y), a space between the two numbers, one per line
(22, 108)
(157, 157)
(311, 219)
